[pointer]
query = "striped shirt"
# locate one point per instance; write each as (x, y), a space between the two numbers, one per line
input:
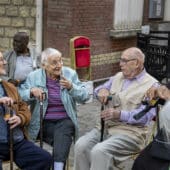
(55, 109)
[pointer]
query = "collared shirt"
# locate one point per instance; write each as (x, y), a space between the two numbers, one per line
(127, 116)
(23, 67)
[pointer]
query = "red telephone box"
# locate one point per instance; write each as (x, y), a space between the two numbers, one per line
(80, 53)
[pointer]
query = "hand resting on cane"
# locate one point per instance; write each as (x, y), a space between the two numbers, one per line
(158, 92)
(110, 114)
(103, 95)
(14, 120)
(37, 93)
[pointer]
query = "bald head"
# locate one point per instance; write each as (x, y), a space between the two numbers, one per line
(136, 53)
(132, 62)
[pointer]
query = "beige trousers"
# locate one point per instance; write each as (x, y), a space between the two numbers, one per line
(91, 154)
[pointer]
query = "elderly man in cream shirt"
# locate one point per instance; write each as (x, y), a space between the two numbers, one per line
(124, 135)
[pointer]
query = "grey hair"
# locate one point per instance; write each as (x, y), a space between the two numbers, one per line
(49, 52)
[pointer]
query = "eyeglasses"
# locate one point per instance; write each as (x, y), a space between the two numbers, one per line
(54, 63)
(125, 61)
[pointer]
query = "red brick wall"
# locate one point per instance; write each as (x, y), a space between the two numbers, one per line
(57, 24)
(97, 71)
(64, 19)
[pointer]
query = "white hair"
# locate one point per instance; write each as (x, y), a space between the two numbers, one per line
(49, 52)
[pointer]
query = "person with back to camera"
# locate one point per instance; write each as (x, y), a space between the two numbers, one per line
(20, 60)
(63, 89)
(124, 136)
(157, 154)
(26, 154)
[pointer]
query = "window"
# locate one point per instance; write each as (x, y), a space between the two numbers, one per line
(128, 15)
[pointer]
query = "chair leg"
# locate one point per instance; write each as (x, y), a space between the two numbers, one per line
(67, 164)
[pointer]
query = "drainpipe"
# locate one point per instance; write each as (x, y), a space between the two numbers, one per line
(39, 19)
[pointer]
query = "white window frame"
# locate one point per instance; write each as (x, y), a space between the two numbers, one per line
(128, 16)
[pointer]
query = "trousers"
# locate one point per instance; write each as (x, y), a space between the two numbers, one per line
(146, 162)
(27, 156)
(91, 154)
(59, 134)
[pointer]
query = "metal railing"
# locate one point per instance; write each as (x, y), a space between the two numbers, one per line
(156, 47)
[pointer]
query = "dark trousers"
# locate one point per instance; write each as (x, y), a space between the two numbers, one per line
(146, 162)
(59, 134)
(27, 156)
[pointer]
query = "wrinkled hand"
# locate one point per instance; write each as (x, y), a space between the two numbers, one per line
(13, 121)
(110, 114)
(152, 93)
(163, 92)
(6, 101)
(103, 95)
(37, 93)
(65, 83)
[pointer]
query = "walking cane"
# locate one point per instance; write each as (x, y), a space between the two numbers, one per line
(8, 114)
(102, 120)
(11, 143)
(41, 119)
(102, 123)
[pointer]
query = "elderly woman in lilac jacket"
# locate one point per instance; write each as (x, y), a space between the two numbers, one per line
(63, 89)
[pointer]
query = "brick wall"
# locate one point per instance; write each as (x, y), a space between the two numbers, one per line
(16, 15)
(65, 19)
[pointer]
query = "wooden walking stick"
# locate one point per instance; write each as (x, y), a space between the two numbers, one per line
(11, 143)
(41, 119)
(8, 114)
(102, 120)
(102, 123)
